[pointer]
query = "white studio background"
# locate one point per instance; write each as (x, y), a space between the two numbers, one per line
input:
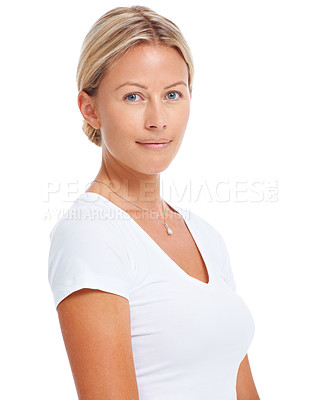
(250, 163)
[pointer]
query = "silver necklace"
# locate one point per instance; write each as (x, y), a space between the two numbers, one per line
(169, 231)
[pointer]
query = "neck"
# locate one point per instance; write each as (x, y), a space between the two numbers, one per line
(136, 187)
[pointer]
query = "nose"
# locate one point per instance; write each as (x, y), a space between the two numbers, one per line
(156, 117)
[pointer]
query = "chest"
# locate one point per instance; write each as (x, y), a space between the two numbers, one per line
(199, 333)
(180, 246)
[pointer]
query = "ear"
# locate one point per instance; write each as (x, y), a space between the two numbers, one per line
(190, 87)
(86, 105)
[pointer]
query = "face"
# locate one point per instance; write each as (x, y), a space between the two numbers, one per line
(144, 97)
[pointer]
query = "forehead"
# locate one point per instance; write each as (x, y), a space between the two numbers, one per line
(148, 63)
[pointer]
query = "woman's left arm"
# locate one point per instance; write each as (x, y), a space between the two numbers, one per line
(245, 387)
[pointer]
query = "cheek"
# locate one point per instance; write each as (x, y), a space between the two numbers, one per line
(181, 118)
(116, 124)
(119, 131)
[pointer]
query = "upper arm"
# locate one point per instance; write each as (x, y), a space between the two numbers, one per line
(96, 329)
(246, 389)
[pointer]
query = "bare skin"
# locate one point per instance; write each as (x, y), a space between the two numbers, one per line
(152, 113)
(245, 387)
(126, 115)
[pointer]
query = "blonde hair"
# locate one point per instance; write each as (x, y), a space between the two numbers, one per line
(112, 36)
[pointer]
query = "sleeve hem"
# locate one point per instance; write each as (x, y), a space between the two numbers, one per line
(61, 293)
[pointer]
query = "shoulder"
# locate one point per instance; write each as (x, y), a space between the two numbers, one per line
(87, 249)
(88, 230)
(89, 218)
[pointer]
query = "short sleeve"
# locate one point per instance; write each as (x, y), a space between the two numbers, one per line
(87, 254)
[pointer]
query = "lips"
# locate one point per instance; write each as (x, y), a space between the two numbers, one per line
(154, 141)
(154, 144)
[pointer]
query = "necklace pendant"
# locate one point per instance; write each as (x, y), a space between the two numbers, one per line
(170, 232)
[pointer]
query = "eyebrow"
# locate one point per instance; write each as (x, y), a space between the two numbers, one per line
(145, 87)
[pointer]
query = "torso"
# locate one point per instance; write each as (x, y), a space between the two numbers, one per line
(180, 246)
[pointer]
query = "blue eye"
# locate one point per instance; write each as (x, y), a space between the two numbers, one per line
(130, 97)
(171, 93)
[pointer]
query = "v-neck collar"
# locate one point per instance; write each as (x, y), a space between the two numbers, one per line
(183, 212)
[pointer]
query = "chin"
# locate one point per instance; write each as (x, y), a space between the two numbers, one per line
(154, 168)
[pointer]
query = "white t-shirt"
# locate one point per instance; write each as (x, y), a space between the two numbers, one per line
(188, 337)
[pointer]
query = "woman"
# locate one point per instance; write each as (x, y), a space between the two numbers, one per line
(144, 290)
